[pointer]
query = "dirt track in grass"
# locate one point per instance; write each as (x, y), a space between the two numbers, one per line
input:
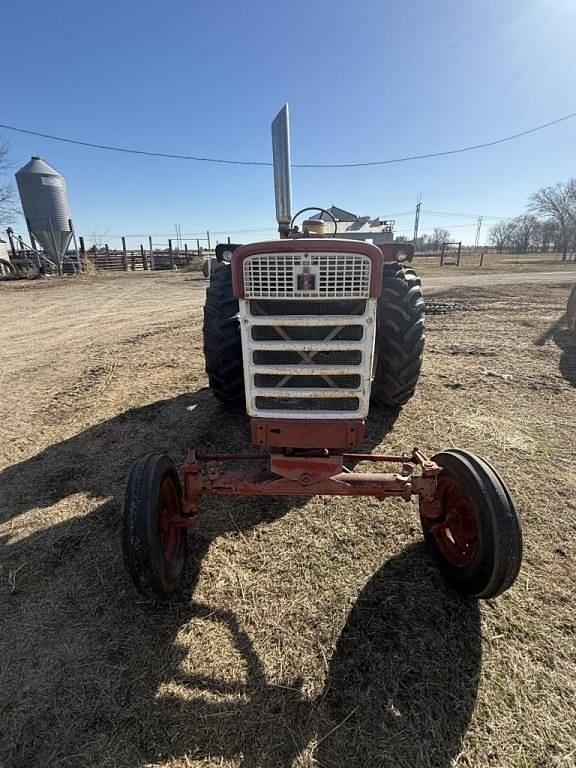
(306, 634)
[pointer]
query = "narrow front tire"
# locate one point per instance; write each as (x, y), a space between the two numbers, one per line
(154, 546)
(475, 534)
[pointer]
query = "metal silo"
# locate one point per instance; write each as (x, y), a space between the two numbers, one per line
(46, 207)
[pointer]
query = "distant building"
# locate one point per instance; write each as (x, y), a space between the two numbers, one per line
(353, 227)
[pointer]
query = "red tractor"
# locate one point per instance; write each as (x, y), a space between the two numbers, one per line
(306, 332)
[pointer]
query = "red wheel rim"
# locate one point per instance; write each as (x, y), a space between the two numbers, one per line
(169, 512)
(455, 530)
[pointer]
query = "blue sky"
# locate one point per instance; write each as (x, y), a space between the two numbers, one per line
(366, 80)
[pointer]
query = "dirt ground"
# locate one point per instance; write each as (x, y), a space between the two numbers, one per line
(306, 634)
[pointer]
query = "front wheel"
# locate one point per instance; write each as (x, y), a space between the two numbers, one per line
(154, 546)
(474, 533)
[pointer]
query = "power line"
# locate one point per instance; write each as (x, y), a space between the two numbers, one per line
(464, 215)
(198, 159)
(446, 226)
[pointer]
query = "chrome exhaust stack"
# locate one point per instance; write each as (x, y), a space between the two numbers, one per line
(282, 178)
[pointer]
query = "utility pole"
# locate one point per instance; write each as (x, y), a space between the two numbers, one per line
(417, 219)
(478, 228)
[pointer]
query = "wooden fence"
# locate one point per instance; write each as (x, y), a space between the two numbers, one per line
(23, 261)
(143, 259)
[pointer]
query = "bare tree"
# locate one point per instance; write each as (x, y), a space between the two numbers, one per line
(440, 236)
(549, 235)
(524, 231)
(499, 236)
(8, 210)
(557, 203)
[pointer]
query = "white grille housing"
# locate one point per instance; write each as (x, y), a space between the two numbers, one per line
(336, 275)
(307, 353)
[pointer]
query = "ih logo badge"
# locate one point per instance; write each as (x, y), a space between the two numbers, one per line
(306, 280)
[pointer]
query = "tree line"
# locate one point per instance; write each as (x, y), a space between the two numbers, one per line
(428, 242)
(548, 225)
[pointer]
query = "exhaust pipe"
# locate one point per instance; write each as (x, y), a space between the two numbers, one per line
(281, 160)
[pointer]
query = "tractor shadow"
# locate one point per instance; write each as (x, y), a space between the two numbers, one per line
(566, 343)
(77, 639)
(400, 689)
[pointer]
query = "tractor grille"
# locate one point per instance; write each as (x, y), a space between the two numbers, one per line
(307, 326)
(314, 362)
(313, 275)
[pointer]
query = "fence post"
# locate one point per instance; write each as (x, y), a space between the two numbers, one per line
(144, 259)
(198, 246)
(481, 258)
(442, 256)
(208, 238)
(152, 264)
(125, 255)
(107, 251)
(186, 253)
(171, 252)
(459, 252)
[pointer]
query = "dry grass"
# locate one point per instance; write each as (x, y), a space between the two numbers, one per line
(307, 634)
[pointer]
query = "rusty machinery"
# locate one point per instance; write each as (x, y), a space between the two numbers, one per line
(306, 332)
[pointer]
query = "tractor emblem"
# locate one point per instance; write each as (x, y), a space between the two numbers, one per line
(306, 280)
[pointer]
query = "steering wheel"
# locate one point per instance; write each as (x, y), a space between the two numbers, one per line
(322, 210)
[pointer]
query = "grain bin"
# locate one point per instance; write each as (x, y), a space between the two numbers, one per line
(46, 207)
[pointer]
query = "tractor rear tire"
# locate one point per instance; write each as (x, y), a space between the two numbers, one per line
(477, 537)
(222, 343)
(399, 337)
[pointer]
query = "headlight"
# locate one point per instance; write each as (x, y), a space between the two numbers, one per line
(401, 256)
(227, 256)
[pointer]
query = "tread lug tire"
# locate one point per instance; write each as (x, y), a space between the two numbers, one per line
(154, 552)
(399, 337)
(222, 343)
(489, 561)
